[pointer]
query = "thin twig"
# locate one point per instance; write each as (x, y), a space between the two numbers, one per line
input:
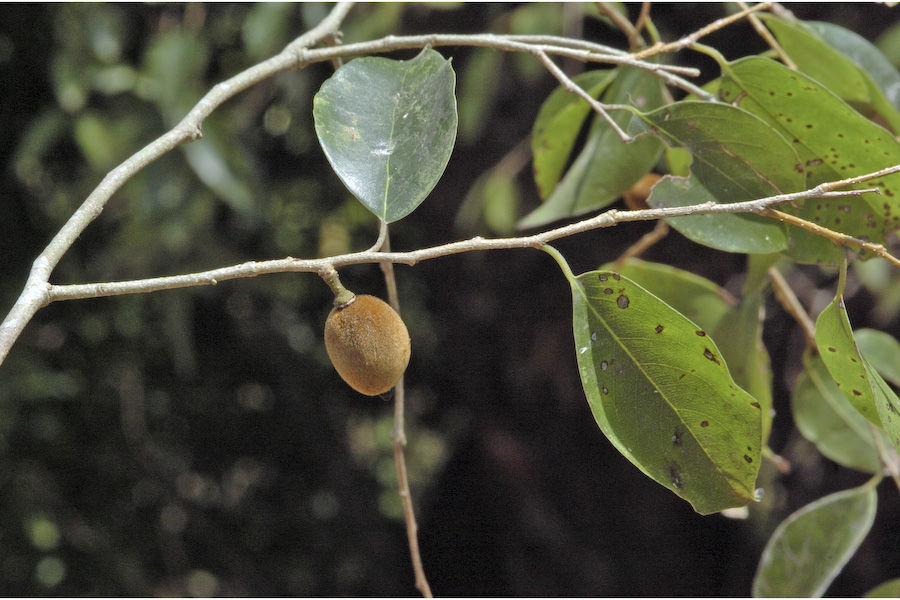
(789, 301)
(635, 40)
(836, 237)
(888, 456)
(643, 17)
(647, 240)
(689, 40)
(765, 34)
(572, 87)
(398, 436)
(36, 290)
(284, 265)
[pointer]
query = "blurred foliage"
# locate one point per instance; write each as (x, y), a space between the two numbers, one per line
(197, 442)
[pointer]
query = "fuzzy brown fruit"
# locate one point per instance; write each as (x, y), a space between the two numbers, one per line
(368, 344)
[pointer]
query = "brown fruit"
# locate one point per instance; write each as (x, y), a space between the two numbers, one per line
(368, 344)
(636, 196)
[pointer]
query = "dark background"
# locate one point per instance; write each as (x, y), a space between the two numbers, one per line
(197, 442)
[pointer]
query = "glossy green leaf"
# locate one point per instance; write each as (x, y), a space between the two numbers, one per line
(695, 297)
(557, 125)
(882, 351)
(740, 340)
(660, 391)
(810, 547)
(827, 419)
(388, 127)
(832, 140)
(736, 157)
(817, 57)
(888, 589)
(606, 167)
(730, 233)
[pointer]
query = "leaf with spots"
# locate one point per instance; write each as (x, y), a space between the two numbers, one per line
(809, 548)
(736, 156)
(660, 391)
(833, 142)
(606, 167)
(860, 383)
(696, 297)
(388, 127)
(827, 419)
(821, 53)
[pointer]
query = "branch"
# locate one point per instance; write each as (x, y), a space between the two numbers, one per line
(838, 238)
(476, 244)
(631, 32)
(766, 35)
(571, 87)
(689, 40)
(36, 291)
(789, 301)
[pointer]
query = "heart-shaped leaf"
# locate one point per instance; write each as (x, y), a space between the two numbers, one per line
(388, 127)
(810, 547)
(660, 391)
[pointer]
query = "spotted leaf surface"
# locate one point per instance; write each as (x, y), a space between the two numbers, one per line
(736, 156)
(809, 549)
(860, 383)
(695, 297)
(388, 127)
(660, 391)
(832, 140)
(826, 57)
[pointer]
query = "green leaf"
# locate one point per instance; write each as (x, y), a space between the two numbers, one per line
(478, 87)
(820, 58)
(740, 340)
(388, 127)
(736, 157)
(557, 125)
(866, 56)
(834, 337)
(882, 351)
(660, 391)
(809, 549)
(695, 297)
(827, 419)
(730, 233)
(888, 589)
(606, 167)
(833, 142)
